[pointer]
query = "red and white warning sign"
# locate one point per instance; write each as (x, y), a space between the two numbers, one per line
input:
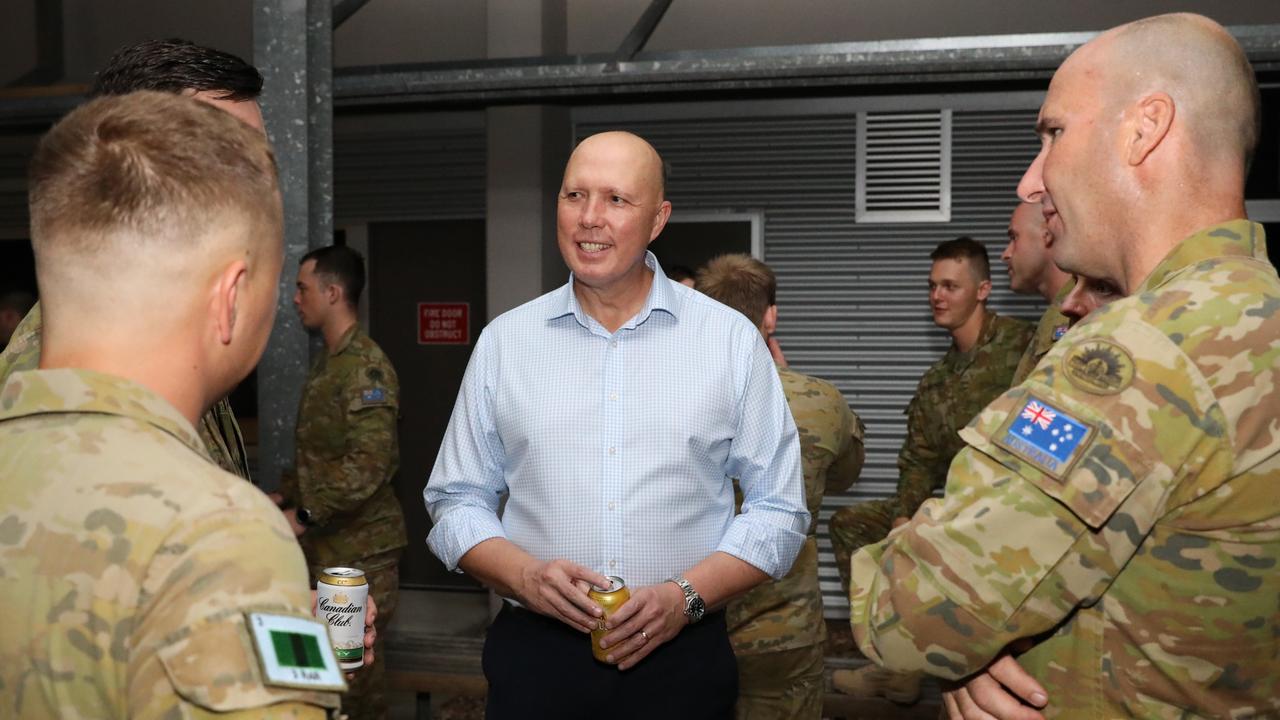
(443, 323)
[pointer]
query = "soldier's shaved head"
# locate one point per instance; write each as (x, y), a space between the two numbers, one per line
(1201, 67)
(1146, 134)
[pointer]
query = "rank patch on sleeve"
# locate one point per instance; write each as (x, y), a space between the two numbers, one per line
(1059, 331)
(376, 395)
(1045, 436)
(294, 652)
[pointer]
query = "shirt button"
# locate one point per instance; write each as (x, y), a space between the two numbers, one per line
(613, 343)
(612, 451)
(613, 563)
(610, 506)
(613, 396)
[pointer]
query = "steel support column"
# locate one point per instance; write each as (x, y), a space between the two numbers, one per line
(293, 47)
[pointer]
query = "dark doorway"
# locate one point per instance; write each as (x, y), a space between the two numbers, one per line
(440, 263)
(17, 266)
(692, 242)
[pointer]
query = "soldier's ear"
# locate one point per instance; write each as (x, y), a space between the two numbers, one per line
(227, 286)
(770, 322)
(984, 290)
(1147, 123)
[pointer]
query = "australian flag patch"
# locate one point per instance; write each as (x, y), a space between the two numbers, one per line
(1045, 436)
(1059, 331)
(371, 397)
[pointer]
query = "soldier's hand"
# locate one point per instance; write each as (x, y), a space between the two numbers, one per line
(558, 589)
(652, 616)
(899, 522)
(1003, 691)
(292, 516)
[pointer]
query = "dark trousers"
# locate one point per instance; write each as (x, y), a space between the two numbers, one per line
(541, 668)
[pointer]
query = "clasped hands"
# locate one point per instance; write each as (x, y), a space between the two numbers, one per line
(653, 615)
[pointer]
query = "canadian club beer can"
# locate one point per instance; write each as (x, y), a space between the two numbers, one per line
(609, 599)
(341, 593)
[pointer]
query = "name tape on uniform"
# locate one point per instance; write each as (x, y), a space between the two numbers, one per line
(294, 652)
(1045, 436)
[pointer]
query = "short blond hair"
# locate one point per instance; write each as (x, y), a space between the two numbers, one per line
(741, 282)
(156, 167)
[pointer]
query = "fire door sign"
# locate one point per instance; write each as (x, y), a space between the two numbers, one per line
(442, 323)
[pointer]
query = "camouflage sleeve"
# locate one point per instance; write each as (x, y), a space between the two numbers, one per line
(23, 351)
(917, 461)
(338, 486)
(847, 466)
(195, 648)
(1062, 480)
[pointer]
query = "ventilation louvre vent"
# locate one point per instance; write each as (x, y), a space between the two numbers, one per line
(904, 167)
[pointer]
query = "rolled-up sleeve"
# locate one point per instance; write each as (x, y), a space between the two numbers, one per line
(765, 457)
(467, 483)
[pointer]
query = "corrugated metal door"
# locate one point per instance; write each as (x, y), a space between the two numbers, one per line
(852, 297)
(409, 167)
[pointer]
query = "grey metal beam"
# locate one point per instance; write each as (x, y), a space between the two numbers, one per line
(643, 30)
(50, 58)
(293, 47)
(583, 79)
(961, 59)
(344, 9)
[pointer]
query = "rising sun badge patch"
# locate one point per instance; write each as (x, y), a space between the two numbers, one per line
(1045, 436)
(1100, 367)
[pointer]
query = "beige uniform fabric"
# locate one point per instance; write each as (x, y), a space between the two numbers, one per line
(1143, 561)
(776, 629)
(1052, 326)
(130, 560)
(218, 428)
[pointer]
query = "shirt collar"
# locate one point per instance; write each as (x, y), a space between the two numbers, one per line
(1234, 237)
(78, 391)
(662, 296)
(962, 360)
(345, 341)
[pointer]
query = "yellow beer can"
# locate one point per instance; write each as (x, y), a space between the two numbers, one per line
(609, 599)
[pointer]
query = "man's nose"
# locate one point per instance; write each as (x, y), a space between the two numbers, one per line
(1031, 186)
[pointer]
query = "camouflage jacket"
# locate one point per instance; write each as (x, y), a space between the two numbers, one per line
(347, 453)
(787, 614)
(218, 428)
(950, 393)
(1119, 507)
(132, 559)
(1052, 326)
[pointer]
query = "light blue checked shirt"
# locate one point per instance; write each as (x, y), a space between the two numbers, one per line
(617, 449)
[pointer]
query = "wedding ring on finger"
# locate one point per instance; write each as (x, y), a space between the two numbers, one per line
(644, 635)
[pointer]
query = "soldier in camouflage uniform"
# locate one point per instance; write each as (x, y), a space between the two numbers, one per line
(777, 629)
(340, 498)
(1117, 512)
(978, 366)
(132, 560)
(222, 80)
(1029, 259)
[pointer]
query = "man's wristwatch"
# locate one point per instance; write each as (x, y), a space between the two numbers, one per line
(694, 607)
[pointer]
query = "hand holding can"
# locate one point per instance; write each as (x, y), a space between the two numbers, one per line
(341, 595)
(610, 599)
